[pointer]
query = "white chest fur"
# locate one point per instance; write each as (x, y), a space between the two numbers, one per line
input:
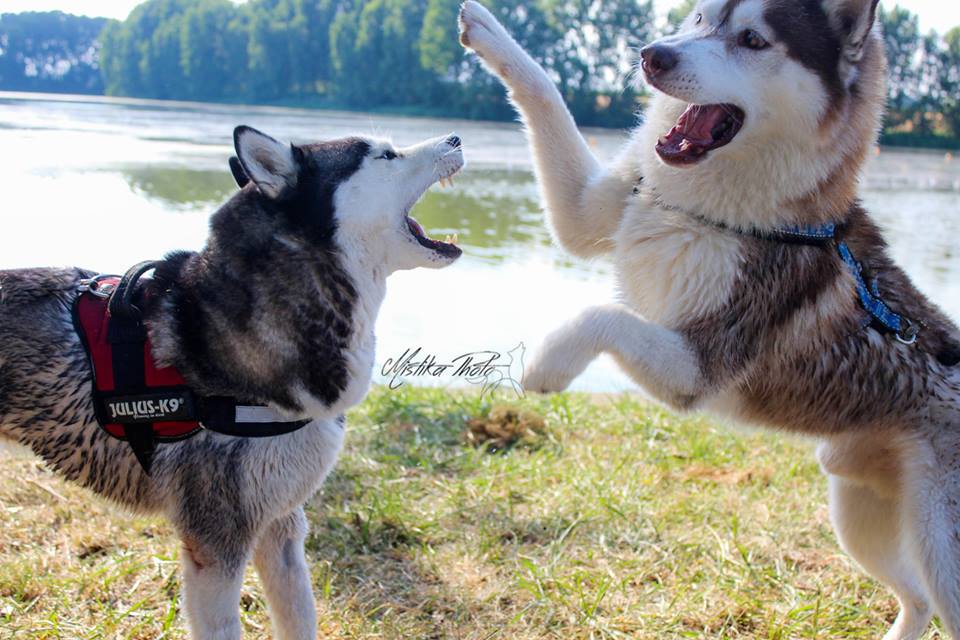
(671, 268)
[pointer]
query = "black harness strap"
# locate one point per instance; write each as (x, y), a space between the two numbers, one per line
(127, 339)
(220, 415)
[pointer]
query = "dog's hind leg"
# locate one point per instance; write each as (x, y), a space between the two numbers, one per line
(212, 579)
(868, 526)
(585, 203)
(283, 569)
(932, 484)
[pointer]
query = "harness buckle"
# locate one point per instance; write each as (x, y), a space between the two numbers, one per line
(95, 286)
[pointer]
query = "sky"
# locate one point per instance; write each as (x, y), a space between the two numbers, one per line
(941, 15)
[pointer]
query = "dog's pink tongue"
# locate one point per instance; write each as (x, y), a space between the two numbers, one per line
(698, 122)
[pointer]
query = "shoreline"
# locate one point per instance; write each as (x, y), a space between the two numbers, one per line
(899, 142)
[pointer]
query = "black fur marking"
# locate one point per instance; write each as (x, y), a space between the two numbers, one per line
(804, 27)
(949, 356)
(323, 168)
(777, 281)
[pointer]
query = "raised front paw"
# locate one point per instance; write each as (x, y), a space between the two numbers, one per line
(545, 377)
(557, 365)
(481, 32)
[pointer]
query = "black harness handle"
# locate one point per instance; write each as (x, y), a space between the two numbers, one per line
(128, 339)
(121, 300)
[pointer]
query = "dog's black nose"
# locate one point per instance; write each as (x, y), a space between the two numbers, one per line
(658, 59)
(455, 141)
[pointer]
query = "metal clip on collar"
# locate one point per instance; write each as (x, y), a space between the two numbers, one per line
(909, 335)
(95, 286)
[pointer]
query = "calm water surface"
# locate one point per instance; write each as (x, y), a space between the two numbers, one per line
(104, 184)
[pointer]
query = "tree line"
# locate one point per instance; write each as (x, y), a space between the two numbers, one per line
(923, 89)
(404, 55)
(366, 54)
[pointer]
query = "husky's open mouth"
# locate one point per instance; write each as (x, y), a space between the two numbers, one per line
(448, 248)
(700, 130)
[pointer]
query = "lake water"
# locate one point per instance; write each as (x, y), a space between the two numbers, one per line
(104, 183)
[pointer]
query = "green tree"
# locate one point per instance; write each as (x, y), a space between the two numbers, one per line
(377, 57)
(440, 49)
(53, 52)
(595, 51)
(950, 81)
(931, 73)
(270, 66)
(901, 31)
(142, 55)
(207, 49)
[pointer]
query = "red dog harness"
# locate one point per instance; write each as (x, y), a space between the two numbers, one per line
(137, 401)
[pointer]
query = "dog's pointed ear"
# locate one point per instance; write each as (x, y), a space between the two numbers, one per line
(269, 163)
(238, 173)
(855, 20)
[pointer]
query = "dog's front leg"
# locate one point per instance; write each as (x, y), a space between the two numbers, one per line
(283, 569)
(212, 579)
(658, 359)
(585, 203)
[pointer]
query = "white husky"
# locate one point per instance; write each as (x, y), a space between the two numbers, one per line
(753, 283)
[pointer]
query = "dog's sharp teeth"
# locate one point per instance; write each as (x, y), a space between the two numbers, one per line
(447, 240)
(456, 238)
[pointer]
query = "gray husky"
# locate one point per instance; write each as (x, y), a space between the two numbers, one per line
(753, 283)
(279, 308)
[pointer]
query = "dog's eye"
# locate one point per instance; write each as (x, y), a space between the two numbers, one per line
(698, 19)
(388, 155)
(752, 40)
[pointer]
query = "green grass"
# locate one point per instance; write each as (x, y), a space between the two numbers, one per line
(618, 520)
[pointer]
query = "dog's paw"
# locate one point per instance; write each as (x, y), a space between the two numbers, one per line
(555, 368)
(483, 34)
(541, 378)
